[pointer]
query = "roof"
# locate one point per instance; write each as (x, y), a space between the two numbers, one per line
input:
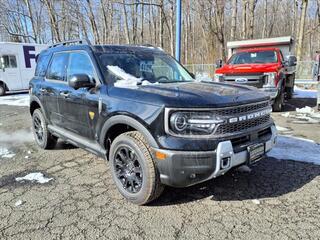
(106, 48)
(125, 48)
(288, 40)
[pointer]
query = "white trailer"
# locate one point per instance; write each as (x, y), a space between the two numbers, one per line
(17, 65)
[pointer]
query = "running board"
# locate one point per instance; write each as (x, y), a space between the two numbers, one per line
(78, 140)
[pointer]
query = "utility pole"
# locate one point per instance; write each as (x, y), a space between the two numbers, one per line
(178, 30)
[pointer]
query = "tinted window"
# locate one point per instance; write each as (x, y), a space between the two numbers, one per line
(57, 67)
(42, 64)
(80, 63)
(9, 61)
(254, 57)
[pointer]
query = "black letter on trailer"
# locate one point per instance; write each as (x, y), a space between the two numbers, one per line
(28, 56)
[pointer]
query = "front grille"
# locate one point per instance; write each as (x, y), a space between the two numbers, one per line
(240, 126)
(242, 109)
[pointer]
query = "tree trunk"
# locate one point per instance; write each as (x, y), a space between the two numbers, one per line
(53, 21)
(265, 19)
(161, 22)
(93, 23)
(244, 19)
(35, 33)
(252, 6)
(234, 20)
(126, 29)
(142, 23)
(301, 29)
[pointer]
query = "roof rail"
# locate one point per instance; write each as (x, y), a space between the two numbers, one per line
(150, 45)
(76, 41)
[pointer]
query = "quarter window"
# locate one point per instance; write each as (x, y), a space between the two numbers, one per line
(80, 63)
(57, 67)
(9, 61)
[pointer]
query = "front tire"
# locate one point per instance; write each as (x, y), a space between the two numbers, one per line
(43, 137)
(2, 90)
(133, 169)
(278, 102)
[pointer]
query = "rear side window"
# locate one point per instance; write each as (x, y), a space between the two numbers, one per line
(42, 64)
(58, 67)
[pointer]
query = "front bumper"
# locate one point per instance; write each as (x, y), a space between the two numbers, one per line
(186, 168)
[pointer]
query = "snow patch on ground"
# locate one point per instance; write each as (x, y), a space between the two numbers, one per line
(304, 115)
(15, 100)
(297, 149)
(256, 201)
(34, 177)
(304, 93)
(19, 136)
(282, 129)
(5, 153)
(18, 203)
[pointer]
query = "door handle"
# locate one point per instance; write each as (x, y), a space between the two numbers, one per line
(64, 94)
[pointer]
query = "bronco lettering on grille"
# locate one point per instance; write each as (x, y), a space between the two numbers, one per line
(250, 116)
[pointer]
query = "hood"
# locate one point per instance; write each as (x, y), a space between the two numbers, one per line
(195, 94)
(248, 68)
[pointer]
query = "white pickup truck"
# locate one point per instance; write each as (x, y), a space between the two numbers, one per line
(17, 65)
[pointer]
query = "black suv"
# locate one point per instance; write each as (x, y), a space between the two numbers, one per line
(146, 114)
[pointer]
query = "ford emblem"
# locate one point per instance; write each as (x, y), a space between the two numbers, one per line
(241, 80)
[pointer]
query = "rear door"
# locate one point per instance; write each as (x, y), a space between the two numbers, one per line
(11, 72)
(73, 103)
(55, 81)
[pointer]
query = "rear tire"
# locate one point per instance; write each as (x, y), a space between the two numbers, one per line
(43, 137)
(133, 169)
(2, 90)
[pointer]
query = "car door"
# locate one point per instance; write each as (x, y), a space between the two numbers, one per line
(50, 89)
(73, 104)
(11, 72)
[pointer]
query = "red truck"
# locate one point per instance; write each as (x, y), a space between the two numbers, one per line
(263, 63)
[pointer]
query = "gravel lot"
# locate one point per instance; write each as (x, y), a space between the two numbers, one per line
(276, 200)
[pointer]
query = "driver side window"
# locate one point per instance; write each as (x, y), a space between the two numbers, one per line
(80, 63)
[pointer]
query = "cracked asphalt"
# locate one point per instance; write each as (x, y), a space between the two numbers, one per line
(276, 200)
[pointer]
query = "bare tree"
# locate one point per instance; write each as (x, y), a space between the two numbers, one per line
(234, 19)
(301, 28)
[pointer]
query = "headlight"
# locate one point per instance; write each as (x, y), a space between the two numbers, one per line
(270, 79)
(193, 123)
(217, 77)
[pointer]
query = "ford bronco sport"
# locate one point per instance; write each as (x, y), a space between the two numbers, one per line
(145, 113)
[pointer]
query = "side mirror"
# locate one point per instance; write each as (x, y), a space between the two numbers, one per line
(81, 81)
(219, 63)
(291, 61)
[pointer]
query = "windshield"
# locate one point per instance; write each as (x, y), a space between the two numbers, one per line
(143, 68)
(254, 57)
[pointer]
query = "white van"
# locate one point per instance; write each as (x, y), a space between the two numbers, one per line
(17, 65)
